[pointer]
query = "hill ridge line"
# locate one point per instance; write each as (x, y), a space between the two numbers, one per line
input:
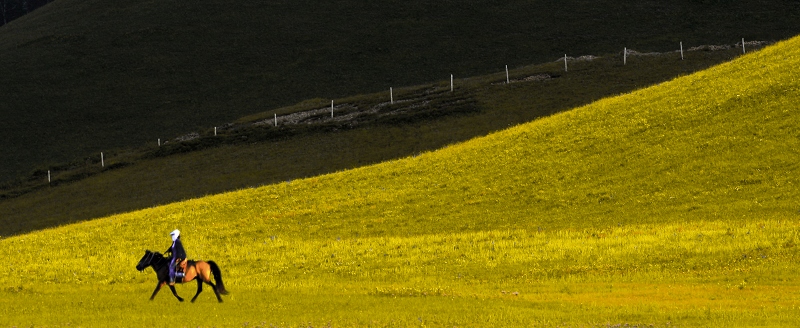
(321, 114)
(346, 115)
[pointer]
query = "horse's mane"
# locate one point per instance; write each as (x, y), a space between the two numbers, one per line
(157, 257)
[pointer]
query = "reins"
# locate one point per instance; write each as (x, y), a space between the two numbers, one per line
(150, 260)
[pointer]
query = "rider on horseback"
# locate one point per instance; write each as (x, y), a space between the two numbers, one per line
(178, 255)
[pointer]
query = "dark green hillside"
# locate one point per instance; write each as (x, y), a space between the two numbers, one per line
(79, 77)
(366, 129)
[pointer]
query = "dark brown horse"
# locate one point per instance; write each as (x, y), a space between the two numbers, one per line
(200, 270)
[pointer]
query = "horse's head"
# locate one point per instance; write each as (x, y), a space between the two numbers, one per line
(148, 259)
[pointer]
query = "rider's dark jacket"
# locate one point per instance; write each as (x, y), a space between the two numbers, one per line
(177, 249)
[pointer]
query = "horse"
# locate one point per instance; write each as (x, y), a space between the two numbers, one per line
(200, 270)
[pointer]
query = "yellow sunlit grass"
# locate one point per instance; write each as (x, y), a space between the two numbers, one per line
(676, 204)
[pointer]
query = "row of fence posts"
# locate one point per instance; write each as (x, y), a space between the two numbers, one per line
(508, 80)
(391, 94)
(625, 55)
(102, 164)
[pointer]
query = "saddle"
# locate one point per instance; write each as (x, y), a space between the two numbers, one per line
(181, 268)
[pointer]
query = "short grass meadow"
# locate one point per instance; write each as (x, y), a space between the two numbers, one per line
(675, 205)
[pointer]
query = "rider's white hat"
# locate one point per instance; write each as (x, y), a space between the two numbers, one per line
(175, 234)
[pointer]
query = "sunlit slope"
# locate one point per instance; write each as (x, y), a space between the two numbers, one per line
(718, 145)
(674, 204)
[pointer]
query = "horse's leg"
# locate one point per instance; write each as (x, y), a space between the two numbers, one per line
(204, 275)
(158, 287)
(172, 288)
(199, 289)
(205, 278)
(214, 288)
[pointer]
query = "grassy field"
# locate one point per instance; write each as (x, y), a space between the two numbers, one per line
(692, 274)
(676, 205)
(425, 117)
(82, 77)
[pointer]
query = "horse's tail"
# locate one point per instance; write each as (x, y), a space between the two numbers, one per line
(217, 277)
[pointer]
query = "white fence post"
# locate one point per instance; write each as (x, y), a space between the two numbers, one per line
(276, 119)
(451, 82)
(625, 56)
(159, 142)
(743, 45)
(507, 80)
(48, 176)
(565, 62)
(681, 50)
(215, 131)
(102, 160)
(391, 95)
(331, 108)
